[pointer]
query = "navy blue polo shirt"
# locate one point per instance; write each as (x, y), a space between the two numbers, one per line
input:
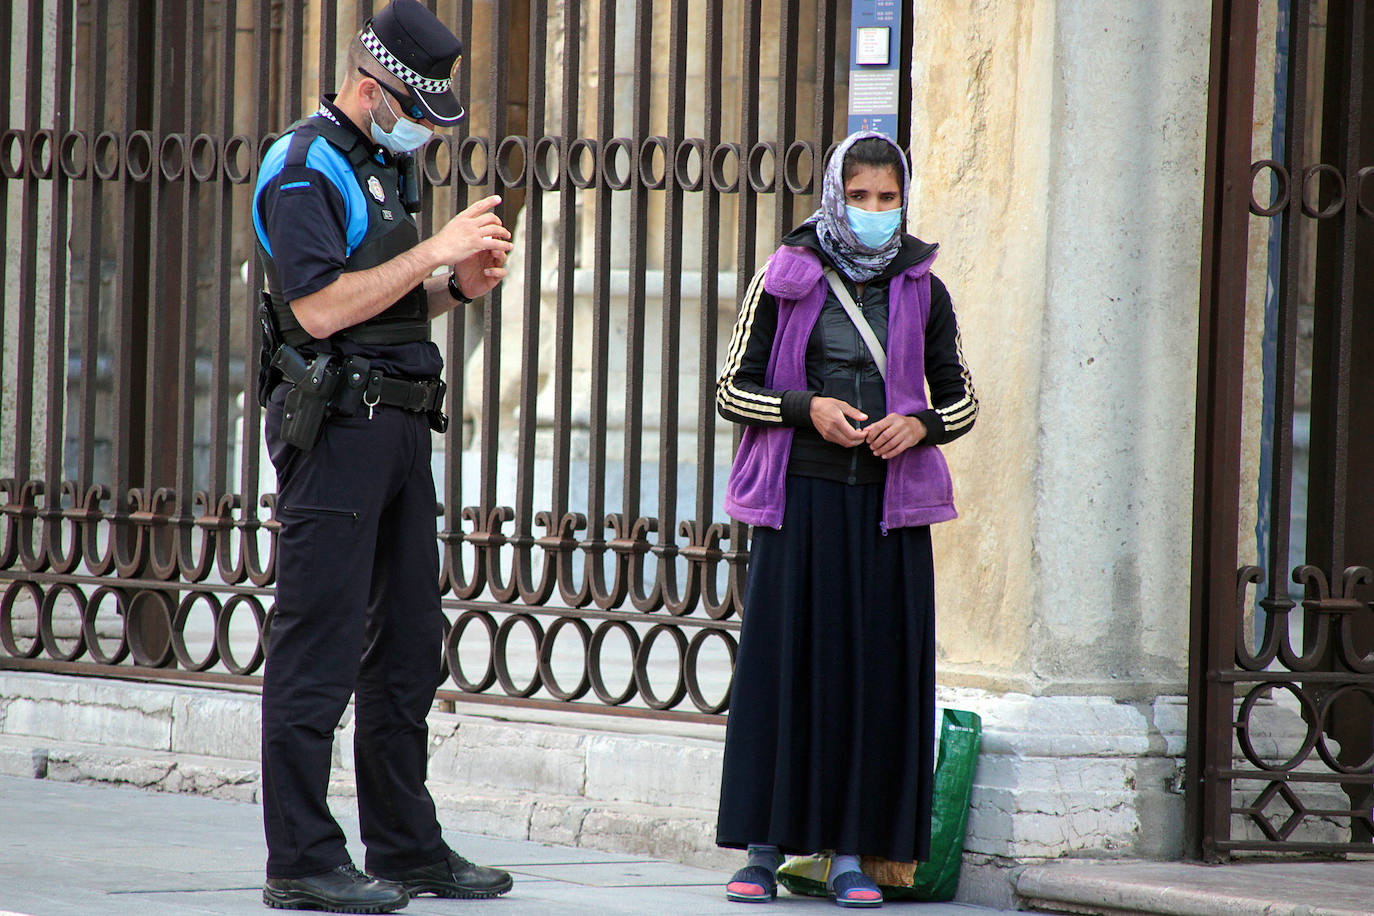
(311, 224)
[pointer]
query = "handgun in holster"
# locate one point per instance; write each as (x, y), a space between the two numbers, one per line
(307, 403)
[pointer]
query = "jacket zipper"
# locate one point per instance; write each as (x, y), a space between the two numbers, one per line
(858, 399)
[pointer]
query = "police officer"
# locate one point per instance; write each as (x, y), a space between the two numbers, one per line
(352, 390)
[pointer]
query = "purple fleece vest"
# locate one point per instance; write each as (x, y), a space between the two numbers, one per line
(918, 489)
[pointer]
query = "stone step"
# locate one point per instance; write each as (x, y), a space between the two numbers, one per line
(620, 788)
(1268, 888)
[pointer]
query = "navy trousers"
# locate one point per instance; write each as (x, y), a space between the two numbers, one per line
(357, 613)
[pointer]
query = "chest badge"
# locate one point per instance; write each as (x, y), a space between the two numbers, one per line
(374, 187)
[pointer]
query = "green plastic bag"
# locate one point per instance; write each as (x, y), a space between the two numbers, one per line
(961, 732)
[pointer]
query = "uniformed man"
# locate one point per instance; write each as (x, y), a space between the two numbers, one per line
(351, 386)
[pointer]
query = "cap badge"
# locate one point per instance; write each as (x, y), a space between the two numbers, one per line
(375, 188)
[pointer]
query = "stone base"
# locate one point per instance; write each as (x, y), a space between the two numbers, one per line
(607, 785)
(1293, 888)
(1058, 776)
(1068, 777)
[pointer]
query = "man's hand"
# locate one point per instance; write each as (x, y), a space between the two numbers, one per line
(480, 273)
(894, 434)
(475, 233)
(831, 418)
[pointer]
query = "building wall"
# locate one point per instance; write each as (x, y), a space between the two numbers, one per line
(1060, 148)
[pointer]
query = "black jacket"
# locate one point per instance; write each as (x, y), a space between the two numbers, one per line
(839, 365)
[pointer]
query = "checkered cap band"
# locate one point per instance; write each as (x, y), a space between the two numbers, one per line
(388, 60)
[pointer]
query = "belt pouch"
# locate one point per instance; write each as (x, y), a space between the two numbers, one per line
(352, 384)
(438, 420)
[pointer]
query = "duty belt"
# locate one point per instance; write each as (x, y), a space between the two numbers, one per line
(381, 390)
(417, 397)
(328, 385)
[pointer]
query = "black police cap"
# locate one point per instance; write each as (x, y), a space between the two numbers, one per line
(410, 42)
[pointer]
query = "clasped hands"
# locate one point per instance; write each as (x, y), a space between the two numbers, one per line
(888, 437)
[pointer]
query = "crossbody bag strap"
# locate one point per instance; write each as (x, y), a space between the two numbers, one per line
(860, 322)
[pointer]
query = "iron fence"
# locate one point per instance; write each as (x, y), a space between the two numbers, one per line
(1281, 730)
(648, 152)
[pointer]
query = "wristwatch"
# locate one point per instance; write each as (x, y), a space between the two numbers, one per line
(453, 289)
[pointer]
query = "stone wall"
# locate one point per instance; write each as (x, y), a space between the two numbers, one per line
(1060, 149)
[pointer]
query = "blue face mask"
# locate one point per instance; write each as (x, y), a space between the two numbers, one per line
(874, 228)
(403, 137)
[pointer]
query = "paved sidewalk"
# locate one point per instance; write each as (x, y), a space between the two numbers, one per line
(79, 850)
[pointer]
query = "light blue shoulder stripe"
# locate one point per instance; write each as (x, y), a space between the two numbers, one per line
(325, 158)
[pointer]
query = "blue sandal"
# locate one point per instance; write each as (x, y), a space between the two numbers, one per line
(752, 884)
(855, 889)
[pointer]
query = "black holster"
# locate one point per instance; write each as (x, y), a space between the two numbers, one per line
(307, 404)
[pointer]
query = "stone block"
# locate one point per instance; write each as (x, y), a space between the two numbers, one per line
(216, 779)
(522, 758)
(493, 815)
(558, 821)
(94, 712)
(216, 725)
(671, 772)
(647, 831)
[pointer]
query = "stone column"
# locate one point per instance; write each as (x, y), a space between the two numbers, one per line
(1058, 153)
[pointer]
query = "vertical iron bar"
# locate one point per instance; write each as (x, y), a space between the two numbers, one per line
(95, 251)
(749, 135)
(1217, 463)
(787, 113)
(192, 21)
(133, 287)
(1290, 278)
(292, 53)
(262, 114)
(533, 219)
(827, 22)
(457, 319)
(595, 543)
(748, 207)
(1335, 294)
(634, 326)
(666, 548)
(6, 50)
(162, 323)
(560, 495)
(58, 268)
(220, 241)
(329, 45)
(491, 346)
(710, 273)
(28, 254)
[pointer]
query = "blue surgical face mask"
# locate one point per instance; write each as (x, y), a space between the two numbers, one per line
(872, 228)
(404, 137)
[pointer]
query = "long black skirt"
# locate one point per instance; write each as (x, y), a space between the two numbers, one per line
(830, 738)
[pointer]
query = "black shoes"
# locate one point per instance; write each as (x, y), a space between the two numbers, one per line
(340, 890)
(453, 877)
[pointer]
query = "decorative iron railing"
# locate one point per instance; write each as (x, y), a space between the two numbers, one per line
(1281, 734)
(649, 154)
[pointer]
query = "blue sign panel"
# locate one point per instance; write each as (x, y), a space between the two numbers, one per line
(875, 58)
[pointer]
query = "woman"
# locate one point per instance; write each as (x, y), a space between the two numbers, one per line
(830, 738)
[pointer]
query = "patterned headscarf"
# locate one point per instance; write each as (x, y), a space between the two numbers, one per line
(851, 256)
